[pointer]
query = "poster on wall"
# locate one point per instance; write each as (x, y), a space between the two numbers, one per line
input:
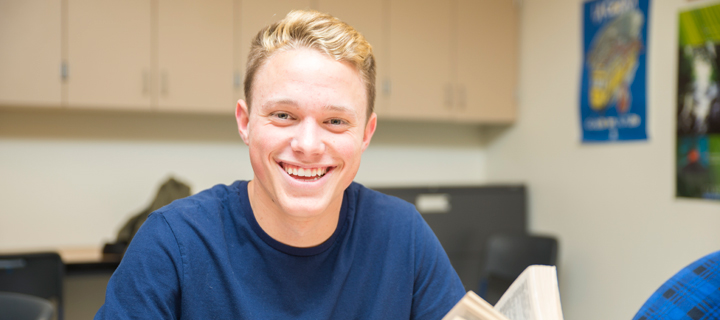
(698, 103)
(613, 85)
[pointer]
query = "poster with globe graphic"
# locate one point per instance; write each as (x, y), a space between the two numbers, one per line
(698, 103)
(613, 87)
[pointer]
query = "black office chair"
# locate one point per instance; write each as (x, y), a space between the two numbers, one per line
(507, 255)
(35, 274)
(17, 306)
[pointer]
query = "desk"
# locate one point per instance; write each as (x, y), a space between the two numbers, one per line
(88, 259)
(87, 272)
(78, 259)
(78, 255)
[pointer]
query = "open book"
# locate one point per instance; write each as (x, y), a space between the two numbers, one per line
(533, 295)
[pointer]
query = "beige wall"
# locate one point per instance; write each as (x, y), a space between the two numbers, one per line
(73, 178)
(622, 232)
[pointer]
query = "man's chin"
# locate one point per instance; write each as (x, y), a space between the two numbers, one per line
(306, 207)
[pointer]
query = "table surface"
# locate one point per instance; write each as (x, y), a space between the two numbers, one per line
(81, 254)
(77, 260)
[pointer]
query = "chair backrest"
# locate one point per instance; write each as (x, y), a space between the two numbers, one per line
(17, 306)
(692, 293)
(35, 274)
(507, 255)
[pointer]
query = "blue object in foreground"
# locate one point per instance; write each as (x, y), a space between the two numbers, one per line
(692, 294)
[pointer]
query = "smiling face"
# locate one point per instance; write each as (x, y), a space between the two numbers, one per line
(306, 130)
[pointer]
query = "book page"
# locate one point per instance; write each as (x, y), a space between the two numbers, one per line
(517, 305)
(549, 295)
(472, 307)
(533, 295)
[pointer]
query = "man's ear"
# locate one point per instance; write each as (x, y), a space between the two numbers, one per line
(369, 130)
(242, 116)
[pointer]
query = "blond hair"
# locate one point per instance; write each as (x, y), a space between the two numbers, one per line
(319, 31)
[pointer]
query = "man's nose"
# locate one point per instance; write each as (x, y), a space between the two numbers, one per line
(307, 138)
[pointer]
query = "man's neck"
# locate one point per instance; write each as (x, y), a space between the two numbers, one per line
(295, 231)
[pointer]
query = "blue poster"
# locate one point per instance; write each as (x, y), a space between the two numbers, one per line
(613, 88)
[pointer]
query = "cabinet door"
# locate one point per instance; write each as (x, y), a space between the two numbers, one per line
(419, 60)
(195, 55)
(487, 64)
(30, 58)
(255, 15)
(368, 18)
(109, 57)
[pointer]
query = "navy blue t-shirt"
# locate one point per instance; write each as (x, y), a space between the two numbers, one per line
(206, 257)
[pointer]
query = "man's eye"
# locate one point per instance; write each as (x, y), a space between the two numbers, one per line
(282, 115)
(336, 122)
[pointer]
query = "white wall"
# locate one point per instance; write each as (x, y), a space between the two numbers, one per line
(622, 232)
(71, 178)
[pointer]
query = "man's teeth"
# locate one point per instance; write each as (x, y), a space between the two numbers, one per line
(305, 172)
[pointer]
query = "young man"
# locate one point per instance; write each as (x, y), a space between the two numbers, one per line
(300, 240)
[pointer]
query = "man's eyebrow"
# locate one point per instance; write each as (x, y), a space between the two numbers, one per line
(288, 102)
(342, 109)
(294, 104)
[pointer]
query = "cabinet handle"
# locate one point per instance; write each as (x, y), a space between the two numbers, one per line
(237, 80)
(164, 83)
(387, 87)
(449, 95)
(64, 71)
(462, 97)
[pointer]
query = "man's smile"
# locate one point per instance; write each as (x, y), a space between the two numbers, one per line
(305, 173)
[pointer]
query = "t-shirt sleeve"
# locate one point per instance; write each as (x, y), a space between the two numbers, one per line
(437, 286)
(146, 284)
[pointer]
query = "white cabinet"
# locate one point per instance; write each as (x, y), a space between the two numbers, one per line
(452, 60)
(30, 54)
(436, 60)
(419, 54)
(195, 55)
(109, 54)
(487, 61)
(150, 55)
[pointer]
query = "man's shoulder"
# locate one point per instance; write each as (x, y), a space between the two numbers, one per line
(206, 205)
(378, 198)
(373, 202)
